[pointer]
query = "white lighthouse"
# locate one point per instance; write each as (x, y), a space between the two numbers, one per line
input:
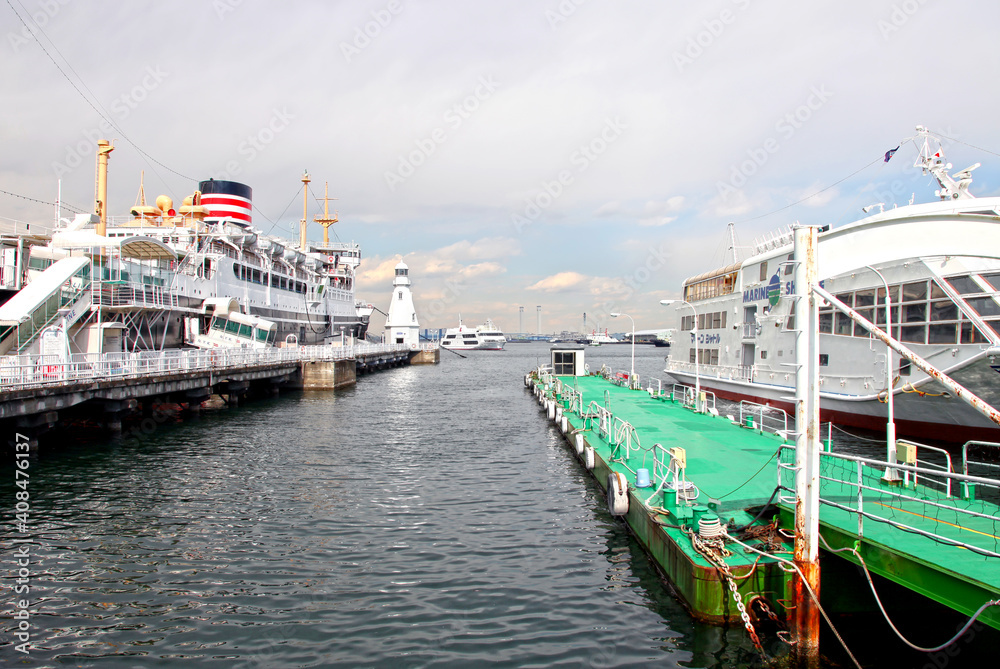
(401, 326)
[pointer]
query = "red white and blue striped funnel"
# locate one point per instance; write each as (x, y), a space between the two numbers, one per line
(227, 199)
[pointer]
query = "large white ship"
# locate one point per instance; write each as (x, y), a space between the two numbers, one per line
(941, 263)
(154, 280)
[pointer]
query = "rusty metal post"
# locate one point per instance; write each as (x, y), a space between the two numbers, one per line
(807, 447)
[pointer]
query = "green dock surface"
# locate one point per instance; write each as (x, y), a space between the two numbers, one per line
(736, 471)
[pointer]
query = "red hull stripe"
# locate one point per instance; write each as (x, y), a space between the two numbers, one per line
(234, 200)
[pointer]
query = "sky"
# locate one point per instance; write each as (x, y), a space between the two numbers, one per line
(584, 156)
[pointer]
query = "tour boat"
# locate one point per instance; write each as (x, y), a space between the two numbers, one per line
(940, 263)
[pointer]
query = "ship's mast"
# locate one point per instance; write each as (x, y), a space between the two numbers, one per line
(732, 241)
(303, 245)
(326, 221)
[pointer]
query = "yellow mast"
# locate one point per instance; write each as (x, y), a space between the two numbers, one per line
(326, 221)
(305, 212)
(101, 196)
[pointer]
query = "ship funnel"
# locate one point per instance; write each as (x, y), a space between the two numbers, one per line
(104, 148)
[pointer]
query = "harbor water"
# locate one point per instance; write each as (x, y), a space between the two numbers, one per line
(428, 516)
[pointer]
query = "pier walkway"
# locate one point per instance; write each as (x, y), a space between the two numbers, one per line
(34, 388)
(932, 531)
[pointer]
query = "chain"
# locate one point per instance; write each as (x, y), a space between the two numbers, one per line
(715, 552)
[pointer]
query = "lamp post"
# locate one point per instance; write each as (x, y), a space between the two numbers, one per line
(890, 426)
(694, 331)
(631, 375)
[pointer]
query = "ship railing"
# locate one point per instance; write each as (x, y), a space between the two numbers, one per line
(856, 485)
(686, 395)
(943, 483)
(24, 371)
(991, 468)
(658, 390)
(749, 330)
(730, 372)
(132, 295)
(762, 417)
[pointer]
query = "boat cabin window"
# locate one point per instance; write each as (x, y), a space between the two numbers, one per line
(763, 271)
(789, 267)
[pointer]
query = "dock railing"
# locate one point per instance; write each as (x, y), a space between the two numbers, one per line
(943, 482)
(25, 371)
(771, 419)
(989, 467)
(685, 394)
(855, 484)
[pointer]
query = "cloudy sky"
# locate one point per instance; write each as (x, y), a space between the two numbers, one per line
(581, 155)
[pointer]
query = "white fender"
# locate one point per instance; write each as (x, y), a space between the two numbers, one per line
(588, 458)
(558, 413)
(564, 425)
(617, 494)
(579, 444)
(551, 410)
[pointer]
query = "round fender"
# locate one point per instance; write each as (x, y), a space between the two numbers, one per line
(588, 458)
(617, 494)
(578, 442)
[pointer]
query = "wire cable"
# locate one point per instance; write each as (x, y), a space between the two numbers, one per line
(971, 146)
(878, 600)
(51, 204)
(72, 83)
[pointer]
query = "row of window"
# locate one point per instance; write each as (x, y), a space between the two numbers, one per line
(245, 273)
(706, 356)
(242, 330)
(710, 321)
(724, 284)
(921, 312)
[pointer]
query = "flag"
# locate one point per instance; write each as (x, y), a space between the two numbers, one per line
(888, 154)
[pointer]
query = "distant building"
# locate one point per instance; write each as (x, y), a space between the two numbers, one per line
(401, 326)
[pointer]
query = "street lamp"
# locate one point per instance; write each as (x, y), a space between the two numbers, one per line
(631, 375)
(694, 331)
(890, 427)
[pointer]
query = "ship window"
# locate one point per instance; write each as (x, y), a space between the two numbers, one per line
(970, 335)
(904, 368)
(914, 313)
(218, 324)
(691, 355)
(846, 298)
(236, 269)
(233, 327)
(984, 306)
(262, 334)
(859, 330)
(825, 322)
(763, 271)
(843, 324)
(824, 359)
(246, 330)
(563, 363)
(965, 285)
(914, 291)
(995, 326)
(942, 333)
(937, 292)
(763, 355)
(914, 334)
(789, 267)
(992, 279)
(944, 311)
(893, 294)
(449, 336)
(864, 298)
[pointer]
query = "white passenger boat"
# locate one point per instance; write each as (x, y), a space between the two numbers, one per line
(941, 263)
(486, 337)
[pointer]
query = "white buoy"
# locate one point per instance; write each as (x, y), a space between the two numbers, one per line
(588, 458)
(579, 444)
(617, 494)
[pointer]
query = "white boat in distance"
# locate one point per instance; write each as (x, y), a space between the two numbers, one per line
(486, 337)
(941, 263)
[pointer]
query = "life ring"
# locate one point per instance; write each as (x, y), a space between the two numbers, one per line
(331, 259)
(617, 494)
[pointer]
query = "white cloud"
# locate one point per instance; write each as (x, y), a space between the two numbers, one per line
(559, 283)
